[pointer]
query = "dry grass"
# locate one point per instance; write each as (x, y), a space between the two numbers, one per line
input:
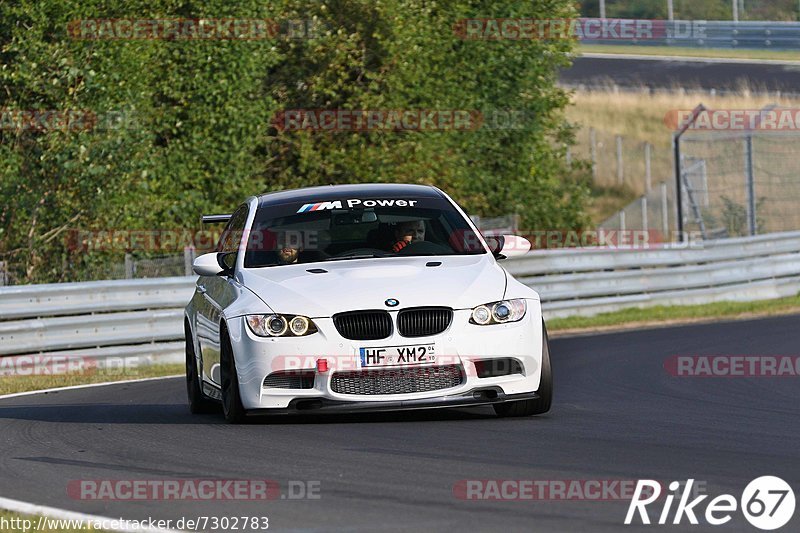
(665, 315)
(639, 117)
(11, 384)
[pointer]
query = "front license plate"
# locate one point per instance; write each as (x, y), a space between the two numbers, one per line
(418, 354)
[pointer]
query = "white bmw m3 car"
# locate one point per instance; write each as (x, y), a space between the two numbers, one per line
(354, 298)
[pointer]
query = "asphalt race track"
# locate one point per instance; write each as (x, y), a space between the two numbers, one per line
(669, 74)
(618, 415)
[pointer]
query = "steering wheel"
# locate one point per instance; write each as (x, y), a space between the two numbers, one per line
(425, 247)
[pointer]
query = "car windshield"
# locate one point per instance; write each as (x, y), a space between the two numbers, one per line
(338, 230)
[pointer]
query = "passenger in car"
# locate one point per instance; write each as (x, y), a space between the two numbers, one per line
(407, 232)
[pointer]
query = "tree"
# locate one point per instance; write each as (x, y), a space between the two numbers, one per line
(197, 133)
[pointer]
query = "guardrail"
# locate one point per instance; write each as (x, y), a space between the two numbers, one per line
(130, 320)
(142, 319)
(759, 35)
(587, 282)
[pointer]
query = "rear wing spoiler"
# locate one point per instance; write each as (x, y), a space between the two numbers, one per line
(211, 219)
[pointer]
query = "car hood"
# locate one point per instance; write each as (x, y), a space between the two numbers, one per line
(460, 282)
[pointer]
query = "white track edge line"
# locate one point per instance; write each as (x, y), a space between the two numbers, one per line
(55, 513)
(86, 386)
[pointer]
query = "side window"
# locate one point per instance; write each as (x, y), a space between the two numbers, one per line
(232, 235)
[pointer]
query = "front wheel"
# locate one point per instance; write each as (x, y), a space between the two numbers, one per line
(198, 402)
(538, 405)
(232, 406)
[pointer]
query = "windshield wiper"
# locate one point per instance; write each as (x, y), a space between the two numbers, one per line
(360, 256)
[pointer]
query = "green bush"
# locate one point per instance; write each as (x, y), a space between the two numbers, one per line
(196, 132)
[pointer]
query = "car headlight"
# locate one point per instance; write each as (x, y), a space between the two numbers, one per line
(280, 325)
(499, 312)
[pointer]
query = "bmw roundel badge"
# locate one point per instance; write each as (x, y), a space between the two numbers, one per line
(391, 302)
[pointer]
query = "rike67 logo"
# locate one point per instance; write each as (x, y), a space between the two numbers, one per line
(767, 503)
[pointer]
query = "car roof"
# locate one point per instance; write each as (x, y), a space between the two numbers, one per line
(334, 192)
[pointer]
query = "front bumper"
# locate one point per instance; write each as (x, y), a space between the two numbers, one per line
(461, 344)
(483, 396)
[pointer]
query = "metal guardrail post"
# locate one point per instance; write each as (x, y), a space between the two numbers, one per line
(676, 142)
(676, 147)
(129, 266)
(752, 220)
(189, 255)
(664, 209)
(751, 187)
(644, 214)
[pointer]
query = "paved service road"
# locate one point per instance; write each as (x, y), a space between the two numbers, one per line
(667, 74)
(618, 415)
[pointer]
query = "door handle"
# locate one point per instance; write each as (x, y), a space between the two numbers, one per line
(201, 289)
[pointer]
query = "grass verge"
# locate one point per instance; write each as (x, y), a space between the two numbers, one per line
(10, 384)
(665, 315)
(723, 53)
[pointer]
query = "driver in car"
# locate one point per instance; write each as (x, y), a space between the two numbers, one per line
(407, 232)
(288, 255)
(303, 247)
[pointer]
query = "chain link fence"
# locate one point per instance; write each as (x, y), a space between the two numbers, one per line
(652, 212)
(620, 162)
(160, 266)
(733, 184)
(740, 183)
(128, 267)
(506, 224)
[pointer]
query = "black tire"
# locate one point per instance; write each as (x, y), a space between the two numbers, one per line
(199, 403)
(232, 406)
(541, 404)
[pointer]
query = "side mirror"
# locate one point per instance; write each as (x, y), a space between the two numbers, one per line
(211, 264)
(505, 246)
(227, 262)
